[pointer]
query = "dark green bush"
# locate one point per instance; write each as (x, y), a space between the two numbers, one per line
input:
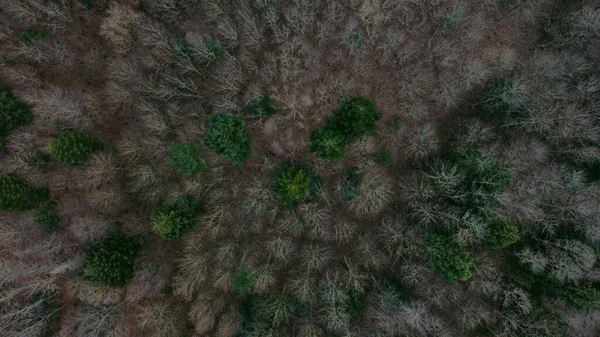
(396, 125)
(17, 194)
(295, 182)
(510, 4)
(356, 304)
(14, 112)
(74, 148)
(328, 144)
(356, 117)
(261, 106)
(349, 188)
(501, 99)
(382, 158)
(482, 179)
(267, 315)
(186, 156)
(354, 40)
(46, 216)
(174, 219)
(449, 260)
(39, 160)
(584, 295)
(503, 233)
(111, 261)
(182, 48)
(228, 137)
(212, 50)
(244, 281)
(31, 34)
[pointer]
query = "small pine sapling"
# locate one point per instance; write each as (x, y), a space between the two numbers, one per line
(382, 158)
(110, 262)
(295, 182)
(448, 258)
(228, 137)
(244, 280)
(356, 117)
(17, 194)
(74, 148)
(45, 215)
(186, 157)
(174, 219)
(349, 188)
(328, 144)
(502, 233)
(14, 112)
(260, 106)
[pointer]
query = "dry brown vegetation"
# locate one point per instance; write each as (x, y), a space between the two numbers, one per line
(143, 75)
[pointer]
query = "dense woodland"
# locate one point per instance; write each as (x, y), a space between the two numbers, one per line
(334, 168)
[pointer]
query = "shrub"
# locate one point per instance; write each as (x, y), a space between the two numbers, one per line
(502, 233)
(396, 125)
(481, 178)
(449, 260)
(295, 182)
(244, 281)
(16, 194)
(267, 315)
(354, 40)
(260, 106)
(31, 34)
(186, 156)
(501, 99)
(456, 18)
(228, 137)
(510, 4)
(39, 160)
(173, 219)
(349, 188)
(328, 144)
(111, 261)
(211, 50)
(74, 148)
(14, 112)
(45, 215)
(584, 295)
(382, 158)
(356, 117)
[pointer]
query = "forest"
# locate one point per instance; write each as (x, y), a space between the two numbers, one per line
(299, 168)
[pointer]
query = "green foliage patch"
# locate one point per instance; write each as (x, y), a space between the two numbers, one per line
(501, 99)
(46, 216)
(382, 158)
(110, 262)
(355, 118)
(349, 187)
(175, 218)
(186, 157)
(31, 34)
(14, 112)
(448, 258)
(295, 182)
(228, 137)
(480, 179)
(74, 148)
(328, 144)
(244, 281)
(261, 106)
(502, 233)
(17, 194)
